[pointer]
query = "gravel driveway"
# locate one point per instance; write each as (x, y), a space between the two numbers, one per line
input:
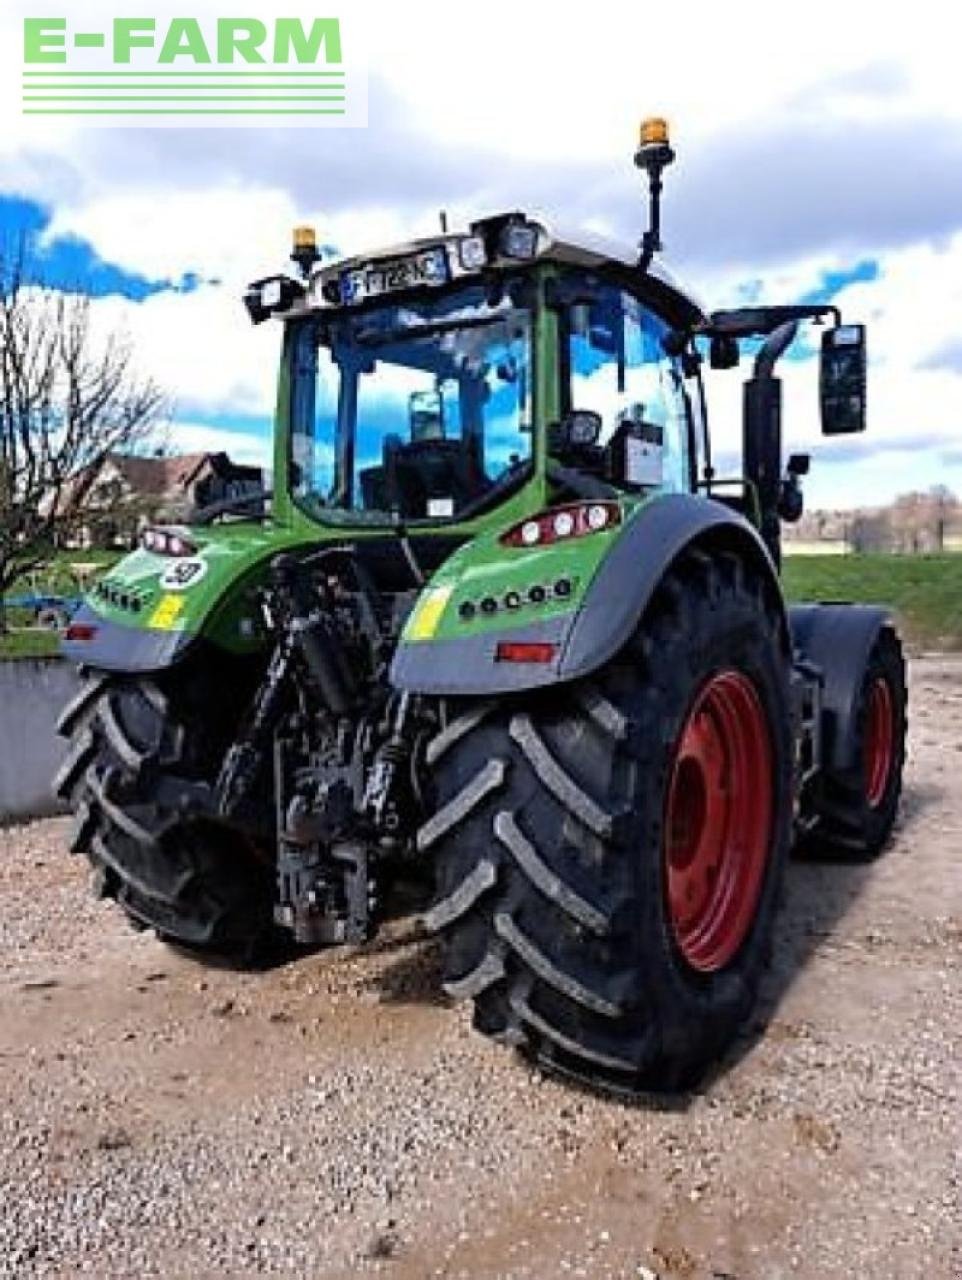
(334, 1118)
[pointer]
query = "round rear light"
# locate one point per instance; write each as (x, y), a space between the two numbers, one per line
(564, 523)
(597, 517)
(530, 533)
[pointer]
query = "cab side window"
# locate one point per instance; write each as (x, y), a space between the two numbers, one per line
(619, 369)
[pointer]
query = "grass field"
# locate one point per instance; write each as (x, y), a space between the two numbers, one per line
(55, 579)
(924, 591)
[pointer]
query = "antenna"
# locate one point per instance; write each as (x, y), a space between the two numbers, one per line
(443, 216)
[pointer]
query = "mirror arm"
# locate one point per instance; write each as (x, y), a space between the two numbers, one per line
(774, 348)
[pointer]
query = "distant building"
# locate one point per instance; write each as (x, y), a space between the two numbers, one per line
(915, 523)
(116, 499)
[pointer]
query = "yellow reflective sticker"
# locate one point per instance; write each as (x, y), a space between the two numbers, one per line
(428, 615)
(167, 612)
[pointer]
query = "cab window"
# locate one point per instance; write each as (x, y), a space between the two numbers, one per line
(618, 368)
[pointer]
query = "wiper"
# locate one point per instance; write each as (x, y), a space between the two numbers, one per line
(211, 510)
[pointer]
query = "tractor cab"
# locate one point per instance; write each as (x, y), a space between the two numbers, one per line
(425, 387)
(431, 384)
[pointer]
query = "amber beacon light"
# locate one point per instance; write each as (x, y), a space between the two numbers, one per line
(653, 155)
(304, 251)
(653, 132)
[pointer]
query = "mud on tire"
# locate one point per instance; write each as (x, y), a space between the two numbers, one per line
(139, 758)
(548, 834)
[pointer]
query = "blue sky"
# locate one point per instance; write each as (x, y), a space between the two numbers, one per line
(822, 169)
(69, 262)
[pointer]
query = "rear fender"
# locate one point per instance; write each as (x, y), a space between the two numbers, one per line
(149, 610)
(616, 589)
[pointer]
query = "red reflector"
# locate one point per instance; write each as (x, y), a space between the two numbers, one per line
(508, 651)
(81, 631)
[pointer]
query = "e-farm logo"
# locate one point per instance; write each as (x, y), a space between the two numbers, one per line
(215, 70)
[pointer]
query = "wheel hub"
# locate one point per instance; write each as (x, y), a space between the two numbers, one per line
(879, 742)
(718, 820)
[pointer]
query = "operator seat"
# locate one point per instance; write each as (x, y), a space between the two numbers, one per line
(438, 470)
(413, 474)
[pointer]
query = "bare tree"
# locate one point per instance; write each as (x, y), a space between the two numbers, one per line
(68, 398)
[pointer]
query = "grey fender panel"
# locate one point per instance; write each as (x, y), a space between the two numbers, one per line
(611, 609)
(626, 581)
(467, 665)
(838, 639)
(117, 648)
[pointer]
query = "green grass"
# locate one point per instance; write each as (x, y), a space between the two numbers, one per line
(925, 592)
(54, 579)
(57, 578)
(29, 644)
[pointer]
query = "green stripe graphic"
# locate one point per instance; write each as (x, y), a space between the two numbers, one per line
(72, 91)
(202, 74)
(178, 111)
(181, 97)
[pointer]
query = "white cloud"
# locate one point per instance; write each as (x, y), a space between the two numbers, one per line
(801, 150)
(201, 348)
(914, 412)
(241, 446)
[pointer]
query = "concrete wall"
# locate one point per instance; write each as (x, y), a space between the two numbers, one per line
(32, 695)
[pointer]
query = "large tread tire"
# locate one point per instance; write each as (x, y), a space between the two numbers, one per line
(547, 835)
(135, 773)
(851, 825)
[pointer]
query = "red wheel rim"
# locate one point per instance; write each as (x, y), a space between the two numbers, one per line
(879, 742)
(718, 821)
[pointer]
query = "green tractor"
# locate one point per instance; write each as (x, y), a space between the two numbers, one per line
(500, 627)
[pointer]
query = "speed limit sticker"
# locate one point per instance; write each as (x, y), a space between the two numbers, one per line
(181, 574)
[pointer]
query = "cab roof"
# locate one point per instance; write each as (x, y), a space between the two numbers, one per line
(583, 249)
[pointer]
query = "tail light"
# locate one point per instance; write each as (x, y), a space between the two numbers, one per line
(82, 631)
(524, 651)
(575, 520)
(165, 542)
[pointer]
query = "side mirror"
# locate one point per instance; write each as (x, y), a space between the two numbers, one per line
(841, 380)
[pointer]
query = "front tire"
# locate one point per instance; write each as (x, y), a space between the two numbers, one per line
(569, 826)
(138, 768)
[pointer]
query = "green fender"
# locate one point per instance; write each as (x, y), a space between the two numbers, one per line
(149, 609)
(610, 578)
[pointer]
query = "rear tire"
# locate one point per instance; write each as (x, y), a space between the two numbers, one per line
(139, 764)
(556, 851)
(857, 807)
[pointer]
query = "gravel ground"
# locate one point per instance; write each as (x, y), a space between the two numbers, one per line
(334, 1118)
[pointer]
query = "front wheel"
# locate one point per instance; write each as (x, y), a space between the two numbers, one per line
(609, 854)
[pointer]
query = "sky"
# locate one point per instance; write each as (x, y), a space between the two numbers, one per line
(819, 157)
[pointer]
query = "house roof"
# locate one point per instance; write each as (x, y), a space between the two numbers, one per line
(159, 477)
(164, 479)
